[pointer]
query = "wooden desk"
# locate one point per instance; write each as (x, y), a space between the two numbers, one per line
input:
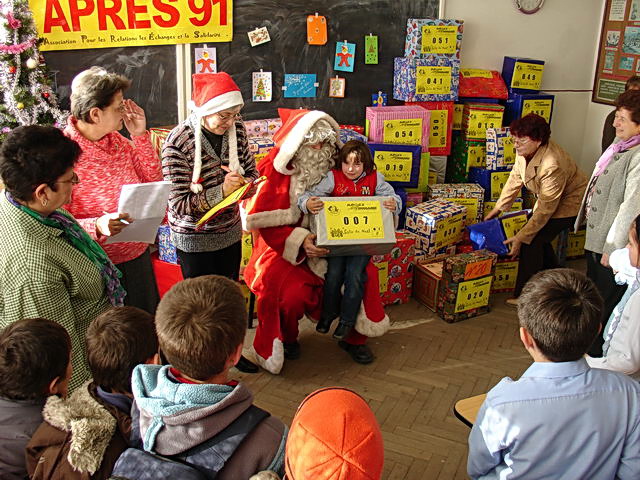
(466, 409)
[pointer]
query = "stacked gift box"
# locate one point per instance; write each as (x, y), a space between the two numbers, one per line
(477, 83)
(405, 125)
(347, 134)
(477, 117)
(491, 180)
(395, 270)
(469, 195)
(501, 152)
(424, 176)
(522, 75)
(264, 128)
(260, 146)
(400, 164)
(464, 155)
(435, 224)
(516, 206)
(520, 104)
(505, 275)
(458, 108)
(569, 245)
(441, 125)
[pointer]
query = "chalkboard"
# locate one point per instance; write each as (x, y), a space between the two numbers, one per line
(152, 71)
(289, 52)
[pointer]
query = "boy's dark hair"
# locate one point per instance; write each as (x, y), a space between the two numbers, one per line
(35, 154)
(200, 322)
(533, 126)
(118, 340)
(362, 153)
(561, 309)
(33, 352)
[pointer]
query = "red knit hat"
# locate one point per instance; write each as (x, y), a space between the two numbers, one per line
(334, 435)
(212, 93)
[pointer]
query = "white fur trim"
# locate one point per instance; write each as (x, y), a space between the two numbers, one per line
(318, 266)
(292, 245)
(295, 137)
(369, 328)
(276, 218)
(274, 363)
(225, 101)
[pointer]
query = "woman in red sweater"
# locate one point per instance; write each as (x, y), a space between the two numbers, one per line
(109, 161)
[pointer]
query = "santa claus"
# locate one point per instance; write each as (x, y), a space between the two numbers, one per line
(286, 269)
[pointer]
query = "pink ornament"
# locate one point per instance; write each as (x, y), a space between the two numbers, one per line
(14, 23)
(6, 129)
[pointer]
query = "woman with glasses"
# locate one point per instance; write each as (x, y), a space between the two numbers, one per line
(550, 173)
(206, 158)
(49, 266)
(611, 202)
(107, 162)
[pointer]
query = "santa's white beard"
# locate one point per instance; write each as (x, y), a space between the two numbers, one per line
(311, 166)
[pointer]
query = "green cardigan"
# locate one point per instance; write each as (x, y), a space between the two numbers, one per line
(42, 275)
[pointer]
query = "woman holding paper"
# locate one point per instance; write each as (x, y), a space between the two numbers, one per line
(109, 161)
(549, 172)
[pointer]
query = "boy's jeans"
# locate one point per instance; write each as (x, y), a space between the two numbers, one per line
(350, 271)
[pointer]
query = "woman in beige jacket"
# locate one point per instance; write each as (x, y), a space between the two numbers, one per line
(549, 172)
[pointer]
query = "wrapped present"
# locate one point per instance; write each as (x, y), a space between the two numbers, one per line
(158, 135)
(423, 256)
(441, 126)
(477, 117)
(457, 116)
(464, 155)
(423, 176)
(260, 145)
(501, 153)
(414, 199)
(166, 274)
(479, 83)
(400, 125)
(505, 275)
(523, 75)
(493, 181)
(515, 206)
(354, 226)
(436, 223)
(433, 36)
(166, 248)
(469, 195)
(347, 134)
(465, 287)
(356, 128)
(488, 235)
(520, 104)
(395, 270)
(262, 128)
(425, 79)
(400, 164)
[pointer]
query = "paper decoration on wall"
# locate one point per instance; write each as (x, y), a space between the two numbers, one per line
(379, 99)
(316, 29)
(261, 86)
(259, 36)
(299, 85)
(371, 49)
(206, 60)
(337, 87)
(345, 56)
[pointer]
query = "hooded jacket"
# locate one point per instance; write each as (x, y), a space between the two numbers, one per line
(172, 419)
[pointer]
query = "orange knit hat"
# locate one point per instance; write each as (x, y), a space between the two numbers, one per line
(334, 436)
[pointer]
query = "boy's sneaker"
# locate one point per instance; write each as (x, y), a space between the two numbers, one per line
(323, 325)
(341, 331)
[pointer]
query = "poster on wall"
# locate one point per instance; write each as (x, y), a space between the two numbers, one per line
(619, 49)
(72, 25)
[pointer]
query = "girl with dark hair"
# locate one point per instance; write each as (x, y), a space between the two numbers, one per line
(546, 170)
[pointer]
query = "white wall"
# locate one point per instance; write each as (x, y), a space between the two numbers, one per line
(564, 33)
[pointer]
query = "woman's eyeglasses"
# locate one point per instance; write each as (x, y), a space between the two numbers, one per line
(228, 116)
(520, 141)
(74, 180)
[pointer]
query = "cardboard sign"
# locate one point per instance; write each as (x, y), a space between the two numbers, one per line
(438, 132)
(354, 220)
(480, 120)
(527, 75)
(449, 231)
(475, 73)
(395, 166)
(473, 294)
(433, 80)
(512, 225)
(505, 276)
(498, 181)
(439, 39)
(316, 30)
(540, 107)
(403, 132)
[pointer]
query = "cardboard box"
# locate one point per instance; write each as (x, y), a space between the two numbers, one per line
(436, 223)
(470, 195)
(433, 79)
(464, 155)
(477, 117)
(480, 83)
(354, 226)
(523, 75)
(398, 125)
(433, 36)
(158, 135)
(395, 271)
(262, 128)
(441, 126)
(426, 283)
(501, 153)
(505, 275)
(400, 164)
(520, 104)
(493, 181)
(166, 248)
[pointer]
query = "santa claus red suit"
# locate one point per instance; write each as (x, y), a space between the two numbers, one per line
(287, 283)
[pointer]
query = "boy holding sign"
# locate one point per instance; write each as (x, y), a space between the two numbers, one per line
(357, 176)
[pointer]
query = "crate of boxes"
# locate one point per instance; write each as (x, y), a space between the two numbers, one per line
(395, 270)
(470, 195)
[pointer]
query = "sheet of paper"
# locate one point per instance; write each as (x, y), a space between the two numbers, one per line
(146, 203)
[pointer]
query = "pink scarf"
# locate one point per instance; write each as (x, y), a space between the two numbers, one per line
(612, 150)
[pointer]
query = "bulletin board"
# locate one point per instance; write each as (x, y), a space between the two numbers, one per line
(619, 49)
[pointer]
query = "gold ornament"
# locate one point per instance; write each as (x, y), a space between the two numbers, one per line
(20, 105)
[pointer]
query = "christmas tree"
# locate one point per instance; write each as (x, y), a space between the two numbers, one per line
(25, 95)
(260, 93)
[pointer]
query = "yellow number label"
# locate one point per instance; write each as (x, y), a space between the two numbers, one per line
(439, 39)
(383, 276)
(472, 205)
(403, 132)
(539, 107)
(479, 121)
(498, 181)
(527, 75)
(355, 220)
(473, 294)
(247, 248)
(438, 133)
(513, 225)
(505, 276)
(509, 151)
(475, 73)
(477, 156)
(449, 231)
(395, 166)
(458, 108)
(433, 80)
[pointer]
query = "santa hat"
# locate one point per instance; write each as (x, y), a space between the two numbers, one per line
(213, 92)
(345, 444)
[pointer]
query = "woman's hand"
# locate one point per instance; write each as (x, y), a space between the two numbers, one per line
(232, 182)
(134, 118)
(604, 261)
(492, 214)
(514, 246)
(112, 223)
(314, 205)
(311, 249)
(389, 204)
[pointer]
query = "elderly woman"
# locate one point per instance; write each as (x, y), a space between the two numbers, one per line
(206, 158)
(49, 266)
(545, 169)
(611, 202)
(109, 161)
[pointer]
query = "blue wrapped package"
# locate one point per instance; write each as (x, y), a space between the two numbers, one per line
(488, 235)
(400, 164)
(347, 134)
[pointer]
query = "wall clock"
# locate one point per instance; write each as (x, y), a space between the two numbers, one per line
(528, 6)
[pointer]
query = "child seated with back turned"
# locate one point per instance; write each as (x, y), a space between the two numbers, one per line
(35, 362)
(561, 419)
(356, 176)
(190, 410)
(82, 437)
